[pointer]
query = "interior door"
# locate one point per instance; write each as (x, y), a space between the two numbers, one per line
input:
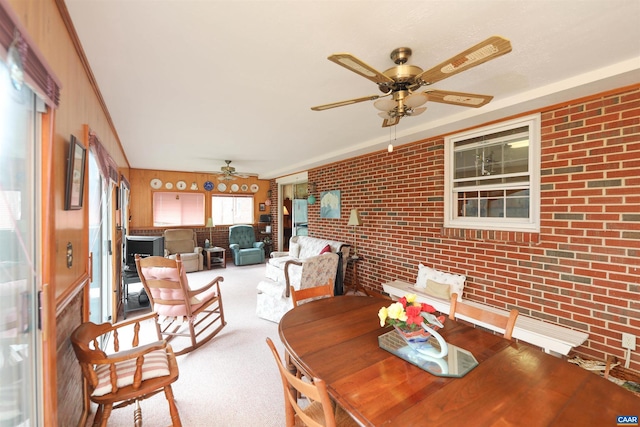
(20, 272)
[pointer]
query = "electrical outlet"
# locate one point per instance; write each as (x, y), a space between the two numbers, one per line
(628, 341)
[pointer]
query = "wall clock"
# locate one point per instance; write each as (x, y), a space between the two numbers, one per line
(208, 185)
(156, 183)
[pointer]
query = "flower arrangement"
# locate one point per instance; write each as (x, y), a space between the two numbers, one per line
(408, 314)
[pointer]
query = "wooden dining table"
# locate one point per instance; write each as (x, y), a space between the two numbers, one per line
(514, 384)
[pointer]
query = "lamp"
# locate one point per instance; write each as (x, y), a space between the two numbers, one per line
(285, 211)
(403, 103)
(210, 227)
(355, 221)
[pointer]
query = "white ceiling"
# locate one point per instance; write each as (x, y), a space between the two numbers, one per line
(192, 83)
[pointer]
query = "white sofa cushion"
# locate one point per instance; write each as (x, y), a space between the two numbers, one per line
(437, 277)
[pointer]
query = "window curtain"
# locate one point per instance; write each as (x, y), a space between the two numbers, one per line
(106, 164)
(37, 74)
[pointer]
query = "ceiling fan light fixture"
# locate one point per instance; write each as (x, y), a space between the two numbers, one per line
(416, 111)
(416, 99)
(385, 104)
(384, 114)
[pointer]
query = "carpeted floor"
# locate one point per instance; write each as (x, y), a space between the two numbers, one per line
(232, 380)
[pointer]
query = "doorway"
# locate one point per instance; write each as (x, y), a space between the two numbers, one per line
(100, 243)
(290, 189)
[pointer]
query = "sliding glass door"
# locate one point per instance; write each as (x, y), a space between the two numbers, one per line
(20, 272)
(100, 244)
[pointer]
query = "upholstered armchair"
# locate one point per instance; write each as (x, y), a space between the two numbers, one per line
(274, 298)
(243, 245)
(184, 242)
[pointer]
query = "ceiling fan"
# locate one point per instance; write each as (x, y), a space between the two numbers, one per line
(401, 82)
(228, 172)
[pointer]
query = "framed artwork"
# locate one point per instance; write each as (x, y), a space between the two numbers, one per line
(330, 204)
(263, 207)
(75, 175)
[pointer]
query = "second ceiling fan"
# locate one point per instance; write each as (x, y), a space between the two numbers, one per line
(400, 83)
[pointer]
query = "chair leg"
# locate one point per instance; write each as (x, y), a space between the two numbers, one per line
(173, 410)
(106, 413)
(137, 415)
(97, 418)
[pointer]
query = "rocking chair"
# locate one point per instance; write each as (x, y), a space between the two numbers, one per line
(195, 314)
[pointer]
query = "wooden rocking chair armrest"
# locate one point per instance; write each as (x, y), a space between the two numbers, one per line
(216, 281)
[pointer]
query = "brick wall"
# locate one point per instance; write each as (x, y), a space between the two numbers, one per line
(581, 270)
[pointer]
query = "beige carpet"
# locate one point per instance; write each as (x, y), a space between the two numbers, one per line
(232, 380)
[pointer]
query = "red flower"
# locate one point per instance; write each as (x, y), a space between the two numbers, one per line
(403, 301)
(427, 308)
(413, 315)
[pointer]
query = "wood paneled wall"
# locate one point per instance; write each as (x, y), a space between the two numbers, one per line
(48, 27)
(141, 207)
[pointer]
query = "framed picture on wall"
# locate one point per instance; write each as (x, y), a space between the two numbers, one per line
(75, 175)
(263, 207)
(330, 204)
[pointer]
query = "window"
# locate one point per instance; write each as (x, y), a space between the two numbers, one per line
(492, 177)
(232, 210)
(178, 209)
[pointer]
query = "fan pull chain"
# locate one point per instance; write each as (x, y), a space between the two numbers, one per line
(390, 146)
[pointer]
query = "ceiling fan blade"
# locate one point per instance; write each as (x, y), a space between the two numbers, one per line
(347, 102)
(390, 122)
(491, 48)
(458, 98)
(352, 63)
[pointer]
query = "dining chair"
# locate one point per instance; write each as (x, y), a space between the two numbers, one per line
(321, 411)
(118, 374)
(504, 322)
(196, 315)
(316, 292)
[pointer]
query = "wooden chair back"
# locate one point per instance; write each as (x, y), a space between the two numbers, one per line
(322, 291)
(320, 412)
(105, 371)
(504, 322)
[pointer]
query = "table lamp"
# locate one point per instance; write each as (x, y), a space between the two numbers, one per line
(210, 227)
(355, 221)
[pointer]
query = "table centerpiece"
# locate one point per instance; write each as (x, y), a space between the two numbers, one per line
(416, 323)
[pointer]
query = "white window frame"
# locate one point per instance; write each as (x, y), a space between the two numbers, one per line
(531, 224)
(217, 217)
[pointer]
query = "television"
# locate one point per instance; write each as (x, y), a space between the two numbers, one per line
(143, 245)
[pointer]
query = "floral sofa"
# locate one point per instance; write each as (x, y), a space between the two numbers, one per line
(274, 298)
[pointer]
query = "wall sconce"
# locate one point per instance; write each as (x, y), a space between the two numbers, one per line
(311, 199)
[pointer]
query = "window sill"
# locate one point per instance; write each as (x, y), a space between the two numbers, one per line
(502, 236)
